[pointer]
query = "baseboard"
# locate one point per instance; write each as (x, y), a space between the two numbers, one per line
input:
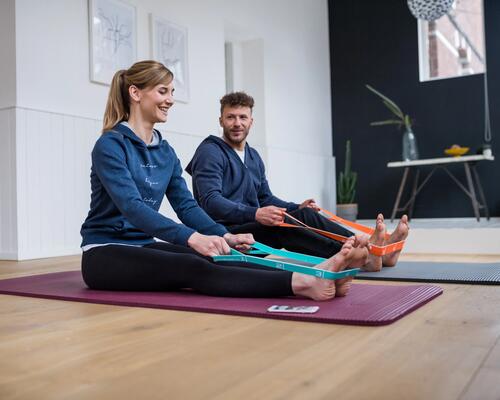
(49, 253)
(9, 256)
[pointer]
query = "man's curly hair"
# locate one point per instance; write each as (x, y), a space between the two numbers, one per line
(236, 99)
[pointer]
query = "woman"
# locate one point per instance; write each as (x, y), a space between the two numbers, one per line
(133, 167)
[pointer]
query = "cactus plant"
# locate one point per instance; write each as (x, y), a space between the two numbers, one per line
(346, 186)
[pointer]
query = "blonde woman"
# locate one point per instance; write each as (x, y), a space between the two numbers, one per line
(133, 168)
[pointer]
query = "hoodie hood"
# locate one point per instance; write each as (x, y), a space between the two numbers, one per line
(129, 133)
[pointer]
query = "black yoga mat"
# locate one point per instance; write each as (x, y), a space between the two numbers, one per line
(443, 272)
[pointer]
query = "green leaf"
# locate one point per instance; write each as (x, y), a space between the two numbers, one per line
(396, 111)
(387, 99)
(387, 122)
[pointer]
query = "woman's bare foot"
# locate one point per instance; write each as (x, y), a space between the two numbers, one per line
(400, 233)
(374, 263)
(357, 258)
(324, 289)
(343, 286)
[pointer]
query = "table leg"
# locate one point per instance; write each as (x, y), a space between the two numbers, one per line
(481, 192)
(413, 194)
(472, 191)
(400, 192)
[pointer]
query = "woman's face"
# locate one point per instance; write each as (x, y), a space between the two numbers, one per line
(156, 101)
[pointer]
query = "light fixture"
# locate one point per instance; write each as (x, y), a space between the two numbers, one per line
(429, 10)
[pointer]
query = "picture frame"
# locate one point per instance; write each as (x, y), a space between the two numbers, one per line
(169, 45)
(113, 38)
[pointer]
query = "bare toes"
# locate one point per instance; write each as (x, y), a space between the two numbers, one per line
(342, 286)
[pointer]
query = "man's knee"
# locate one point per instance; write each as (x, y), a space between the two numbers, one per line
(305, 212)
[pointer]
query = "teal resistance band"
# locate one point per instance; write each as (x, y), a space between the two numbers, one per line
(288, 254)
(286, 266)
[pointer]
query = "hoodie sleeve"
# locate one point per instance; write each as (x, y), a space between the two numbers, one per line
(110, 166)
(266, 197)
(185, 206)
(207, 170)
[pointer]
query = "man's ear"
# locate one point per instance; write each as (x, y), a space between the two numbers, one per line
(220, 120)
(134, 93)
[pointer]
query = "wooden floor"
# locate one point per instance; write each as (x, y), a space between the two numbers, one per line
(448, 349)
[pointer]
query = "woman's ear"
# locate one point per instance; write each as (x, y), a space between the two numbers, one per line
(134, 93)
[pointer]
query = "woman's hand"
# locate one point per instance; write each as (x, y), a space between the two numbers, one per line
(208, 245)
(241, 241)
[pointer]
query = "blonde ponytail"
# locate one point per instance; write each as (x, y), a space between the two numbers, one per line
(142, 74)
(117, 107)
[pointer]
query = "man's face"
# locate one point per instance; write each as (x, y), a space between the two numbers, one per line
(236, 123)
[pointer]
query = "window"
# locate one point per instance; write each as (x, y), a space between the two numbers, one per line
(453, 45)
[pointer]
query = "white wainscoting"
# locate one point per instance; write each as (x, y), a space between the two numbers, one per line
(53, 186)
(8, 207)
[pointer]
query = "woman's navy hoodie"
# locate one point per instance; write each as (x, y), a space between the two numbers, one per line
(128, 181)
(229, 190)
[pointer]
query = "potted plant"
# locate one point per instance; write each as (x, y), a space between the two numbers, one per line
(410, 151)
(346, 189)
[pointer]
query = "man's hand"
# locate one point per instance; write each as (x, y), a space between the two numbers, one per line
(241, 241)
(309, 203)
(208, 245)
(270, 215)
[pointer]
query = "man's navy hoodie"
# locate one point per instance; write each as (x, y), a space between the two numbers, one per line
(128, 181)
(229, 190)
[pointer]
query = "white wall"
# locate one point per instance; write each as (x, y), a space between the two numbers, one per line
(8, 47)
(8, 209)
(53, 58)
(58, 110)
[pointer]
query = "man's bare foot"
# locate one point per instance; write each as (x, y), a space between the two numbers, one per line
(357, 258)
(359, 255)
(400, 233)
(374, 263)
(325, 289)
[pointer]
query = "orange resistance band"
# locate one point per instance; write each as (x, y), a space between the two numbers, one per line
(374, 249)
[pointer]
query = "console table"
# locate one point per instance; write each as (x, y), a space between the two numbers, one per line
(471, 177)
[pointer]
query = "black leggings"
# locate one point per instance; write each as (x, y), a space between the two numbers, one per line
(300, 240)
(166, 267)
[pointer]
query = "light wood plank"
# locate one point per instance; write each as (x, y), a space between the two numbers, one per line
(485, 382)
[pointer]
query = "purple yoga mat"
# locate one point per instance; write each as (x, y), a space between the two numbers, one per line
(364, 305)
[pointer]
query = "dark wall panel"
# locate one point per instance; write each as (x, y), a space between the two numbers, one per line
(375, 42)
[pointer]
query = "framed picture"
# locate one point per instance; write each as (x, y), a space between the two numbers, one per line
(169, 46)
(113, 38)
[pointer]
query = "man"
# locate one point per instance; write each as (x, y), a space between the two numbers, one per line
(229, 183)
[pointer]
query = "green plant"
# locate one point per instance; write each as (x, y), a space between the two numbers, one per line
(346, 186)
(401, 118)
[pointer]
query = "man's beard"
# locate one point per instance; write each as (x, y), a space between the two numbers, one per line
(229, 139)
